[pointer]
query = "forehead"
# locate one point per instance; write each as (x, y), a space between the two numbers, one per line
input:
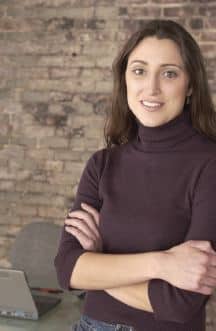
(152, 49)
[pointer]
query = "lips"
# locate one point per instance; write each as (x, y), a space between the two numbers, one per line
(151, 105)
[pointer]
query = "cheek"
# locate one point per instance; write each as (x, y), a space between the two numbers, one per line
(177, 90)
(133, 87)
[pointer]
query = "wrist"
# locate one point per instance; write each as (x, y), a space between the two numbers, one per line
(164, 265)
(159, 265)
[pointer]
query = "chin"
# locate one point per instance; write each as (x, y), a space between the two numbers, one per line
(152, 125)
(152, 122)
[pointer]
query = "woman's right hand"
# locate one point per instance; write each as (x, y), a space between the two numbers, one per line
(192, 266)
(84, 225)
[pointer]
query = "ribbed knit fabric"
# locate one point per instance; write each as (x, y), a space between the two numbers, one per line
(153, 193)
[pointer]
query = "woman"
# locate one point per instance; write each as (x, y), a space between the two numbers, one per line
(141, 236)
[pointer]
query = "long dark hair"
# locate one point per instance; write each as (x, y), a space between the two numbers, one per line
(120, 125)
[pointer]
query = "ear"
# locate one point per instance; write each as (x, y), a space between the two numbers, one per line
(190, 91)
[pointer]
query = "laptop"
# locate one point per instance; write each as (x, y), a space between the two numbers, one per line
(18, 300)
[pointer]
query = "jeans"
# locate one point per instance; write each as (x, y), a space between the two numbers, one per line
(86, 323)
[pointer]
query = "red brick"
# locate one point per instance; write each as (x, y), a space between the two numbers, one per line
(179, 11)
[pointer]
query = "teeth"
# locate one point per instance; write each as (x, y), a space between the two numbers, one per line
(151, 104)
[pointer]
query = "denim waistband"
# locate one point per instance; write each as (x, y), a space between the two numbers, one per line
(87, 323)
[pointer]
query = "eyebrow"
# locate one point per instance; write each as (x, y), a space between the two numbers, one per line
(162, 65)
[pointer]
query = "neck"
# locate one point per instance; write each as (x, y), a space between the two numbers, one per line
(165, 136)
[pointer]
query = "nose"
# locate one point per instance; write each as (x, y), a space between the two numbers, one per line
(152, 85)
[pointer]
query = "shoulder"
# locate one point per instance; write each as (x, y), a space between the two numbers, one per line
(100, 156)
(203, 145)
(205, 154)
(105, 154)
(97, 161)
(103, 157)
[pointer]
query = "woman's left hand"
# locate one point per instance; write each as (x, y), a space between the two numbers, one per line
(84, 224)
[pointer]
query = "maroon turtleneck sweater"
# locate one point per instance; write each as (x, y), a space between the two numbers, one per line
(153, 193)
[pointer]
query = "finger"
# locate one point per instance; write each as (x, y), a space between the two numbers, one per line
(88, 217)
(202, 245)
(81, 214)
(209, 281)
(82, 226)
(86, 220)
(213, 260)
(77, 213)
(83, 239)
(91, 211)
(205, 290)
(211, 272)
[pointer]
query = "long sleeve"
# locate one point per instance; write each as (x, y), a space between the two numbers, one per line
(171, 303)
(88, 191)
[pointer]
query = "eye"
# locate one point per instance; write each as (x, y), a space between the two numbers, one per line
(170, 74)
(138, 71)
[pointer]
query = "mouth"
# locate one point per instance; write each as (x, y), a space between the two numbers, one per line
(151, 105)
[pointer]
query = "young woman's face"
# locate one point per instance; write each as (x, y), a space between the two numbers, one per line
(156, 80)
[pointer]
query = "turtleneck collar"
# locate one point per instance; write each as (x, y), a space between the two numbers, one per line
(165, 136)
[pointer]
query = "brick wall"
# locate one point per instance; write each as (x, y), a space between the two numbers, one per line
(55, 84)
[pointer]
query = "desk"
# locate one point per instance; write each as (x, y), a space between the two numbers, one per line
(59, 318)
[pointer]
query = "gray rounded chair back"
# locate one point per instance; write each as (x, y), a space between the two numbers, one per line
(34, 250)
